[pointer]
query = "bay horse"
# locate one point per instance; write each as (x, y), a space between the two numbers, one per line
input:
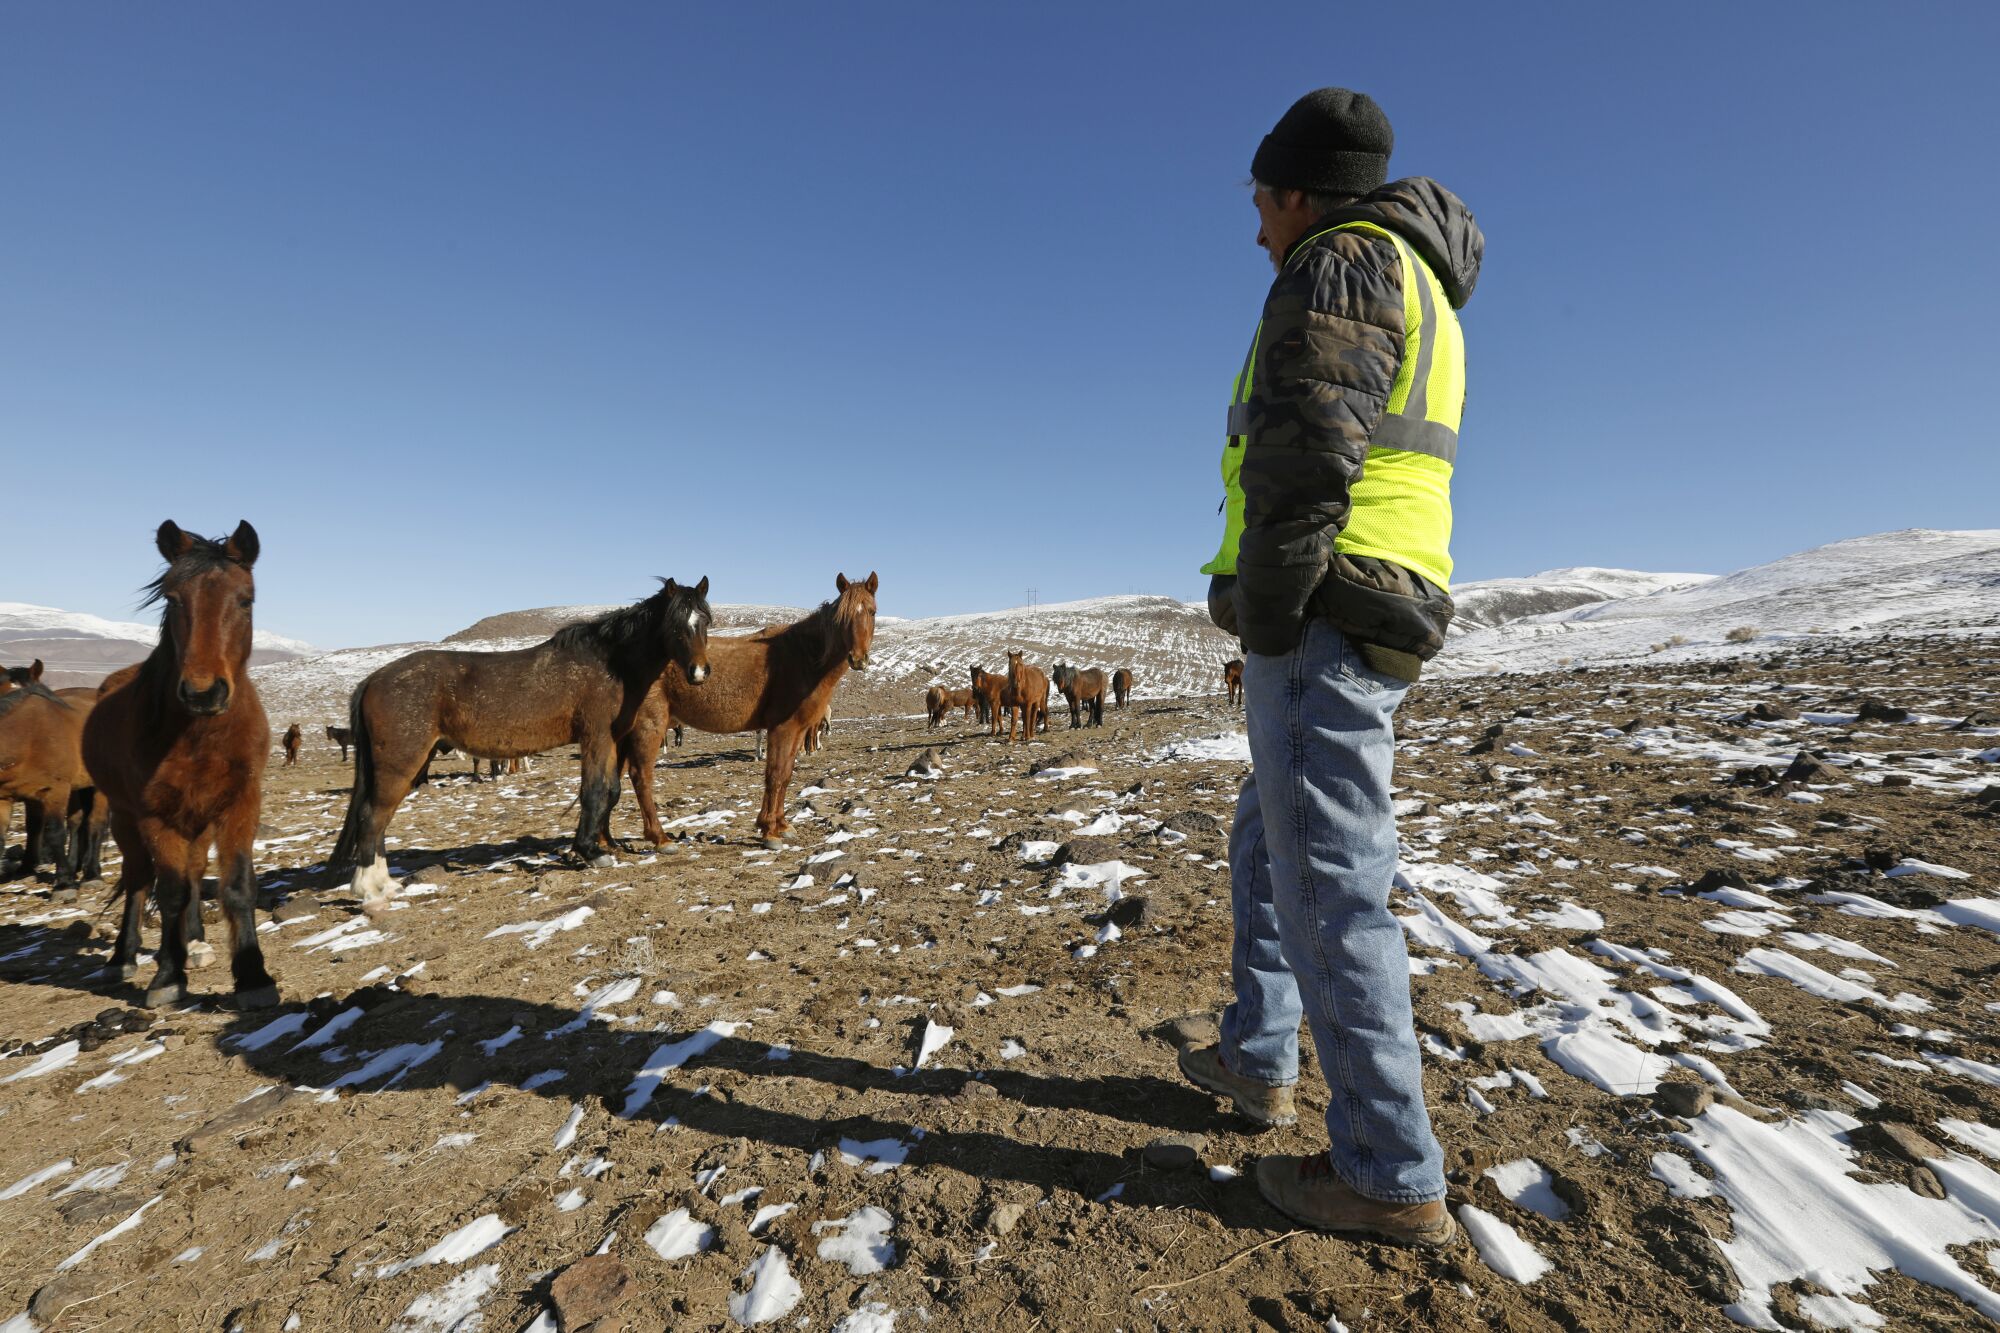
(1085, 692)
(41, 767)
(291, 743)
(1232, 679)
(778, 680)
(1121, 685)
(178, 746)
(1026, 696)
(987, 687)
(583, 685)
(342, 737)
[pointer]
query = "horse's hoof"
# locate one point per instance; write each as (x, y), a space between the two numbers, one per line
(263, 997)
(200, 954)
(120, 971)
(157, 996)
(61, 896)
(603, 861)
(774, 844)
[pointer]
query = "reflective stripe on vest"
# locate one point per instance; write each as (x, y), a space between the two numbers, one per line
(1401, 506)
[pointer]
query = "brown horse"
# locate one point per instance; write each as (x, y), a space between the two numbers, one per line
(341, 736)
(13, 678)
(1026, 697)
(41, 767)
(1085, 692)
(1232, 679)
(178, 746)
(987, 687)
(778, 681)
(940, 701)
(583, 686)
(1121, 685)
(291, 743)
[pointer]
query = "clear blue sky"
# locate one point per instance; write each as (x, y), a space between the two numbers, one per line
(472, 307)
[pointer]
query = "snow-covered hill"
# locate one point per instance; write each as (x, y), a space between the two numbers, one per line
(1918, 580)
(1912, 581)
(1484, 603)
(78, 649)
(1168, 644)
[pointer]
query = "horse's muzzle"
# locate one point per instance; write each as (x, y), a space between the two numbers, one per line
(699, 673)
(859, 661)
(210, 702)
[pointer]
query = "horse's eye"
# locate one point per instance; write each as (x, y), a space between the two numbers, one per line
(245, 602)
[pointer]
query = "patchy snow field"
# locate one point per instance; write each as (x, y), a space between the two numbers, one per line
(1711, 1034)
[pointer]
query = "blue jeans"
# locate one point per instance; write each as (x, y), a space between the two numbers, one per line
(1311, 858)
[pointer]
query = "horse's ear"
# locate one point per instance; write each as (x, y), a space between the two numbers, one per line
(840, 583)
(173, 543)
(35, 669)
(243, 545)
(669, 587)
(701, 589)
(873, 582)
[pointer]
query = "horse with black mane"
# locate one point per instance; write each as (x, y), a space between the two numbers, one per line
(1121, 685)
(178, 746)
(1232, 679)
(342, 737)
(1085, 692)
(584, 685)
(778, 680)
(291, 744)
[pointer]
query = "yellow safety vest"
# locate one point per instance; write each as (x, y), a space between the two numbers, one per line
(1402, 504)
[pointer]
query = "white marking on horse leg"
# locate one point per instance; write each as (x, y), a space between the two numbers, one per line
(372, 882)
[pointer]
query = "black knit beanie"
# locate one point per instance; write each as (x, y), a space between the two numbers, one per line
(1332, 141)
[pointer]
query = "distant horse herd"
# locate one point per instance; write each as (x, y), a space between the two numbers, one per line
(168, 755)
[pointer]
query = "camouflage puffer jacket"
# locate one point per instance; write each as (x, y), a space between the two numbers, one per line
(1327, 358)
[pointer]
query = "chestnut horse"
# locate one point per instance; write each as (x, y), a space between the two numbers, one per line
(987, 687)
(178, 746)
(1121, 685)
(41, 766)
(1026, 697)
(777, 680)
(583, 685)
(1232, 679)
(13, 678)
(291, 743)
(1085, 692)
(938, 701)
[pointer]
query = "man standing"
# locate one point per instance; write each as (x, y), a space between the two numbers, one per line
(1343, 431)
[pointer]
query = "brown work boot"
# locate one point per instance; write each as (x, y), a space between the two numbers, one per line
(1307, 1190)
(1265, 1103)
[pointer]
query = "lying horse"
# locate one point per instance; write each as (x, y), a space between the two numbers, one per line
(341, 736)
(1121, 685)
(583, 685)
(1085, 692)
(1232, 679)
(178, 746)
(777, 680)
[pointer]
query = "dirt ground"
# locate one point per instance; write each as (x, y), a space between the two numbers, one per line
(482, 1051)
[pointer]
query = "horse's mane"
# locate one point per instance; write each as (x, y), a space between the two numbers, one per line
(816, 636)
(615, 632)
(34, 689)
(207, 553)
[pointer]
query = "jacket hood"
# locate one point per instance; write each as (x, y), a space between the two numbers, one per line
(1435, 222)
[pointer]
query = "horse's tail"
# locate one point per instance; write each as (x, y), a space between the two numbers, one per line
(347, 850)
